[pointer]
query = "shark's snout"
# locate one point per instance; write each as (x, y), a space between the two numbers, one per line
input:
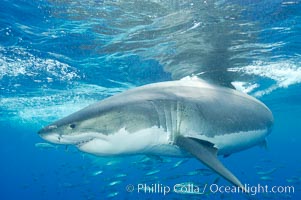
(50, 134)
(47, 129)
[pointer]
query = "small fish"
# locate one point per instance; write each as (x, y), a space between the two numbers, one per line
(120, 175)
(112, 162)
(152, 172)
(97, 173)
(44, 145)
(266, 178)
(145, 159)
(267, 172)
(177, 164)
(193, 173)
(156, 158)
(113, 194)
(294, 179)
(258, 167)
(114, 183)
(205, 172)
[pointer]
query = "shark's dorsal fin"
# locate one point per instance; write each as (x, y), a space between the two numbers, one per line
(207, 154)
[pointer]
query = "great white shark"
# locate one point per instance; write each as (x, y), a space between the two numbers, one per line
(175, 118)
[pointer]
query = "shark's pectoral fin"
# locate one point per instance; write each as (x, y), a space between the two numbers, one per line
(207, 153)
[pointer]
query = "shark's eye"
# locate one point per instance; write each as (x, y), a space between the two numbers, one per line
(72, 126)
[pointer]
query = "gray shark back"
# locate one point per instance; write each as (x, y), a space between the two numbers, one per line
(178, 106)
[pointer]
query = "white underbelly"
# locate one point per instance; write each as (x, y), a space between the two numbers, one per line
(158, 141)
(234, 142)
(152, 140)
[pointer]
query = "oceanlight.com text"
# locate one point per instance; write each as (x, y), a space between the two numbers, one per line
(190, 188)
(251, 189)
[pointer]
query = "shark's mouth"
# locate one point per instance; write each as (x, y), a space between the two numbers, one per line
(74, 139)
(120, 142)
(83, 142)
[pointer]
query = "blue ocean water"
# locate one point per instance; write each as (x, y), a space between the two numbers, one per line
(57, 57)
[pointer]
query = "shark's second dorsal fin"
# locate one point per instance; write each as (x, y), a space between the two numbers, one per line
(207, 154)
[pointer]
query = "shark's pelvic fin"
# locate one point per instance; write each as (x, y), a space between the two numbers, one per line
(207, 154)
